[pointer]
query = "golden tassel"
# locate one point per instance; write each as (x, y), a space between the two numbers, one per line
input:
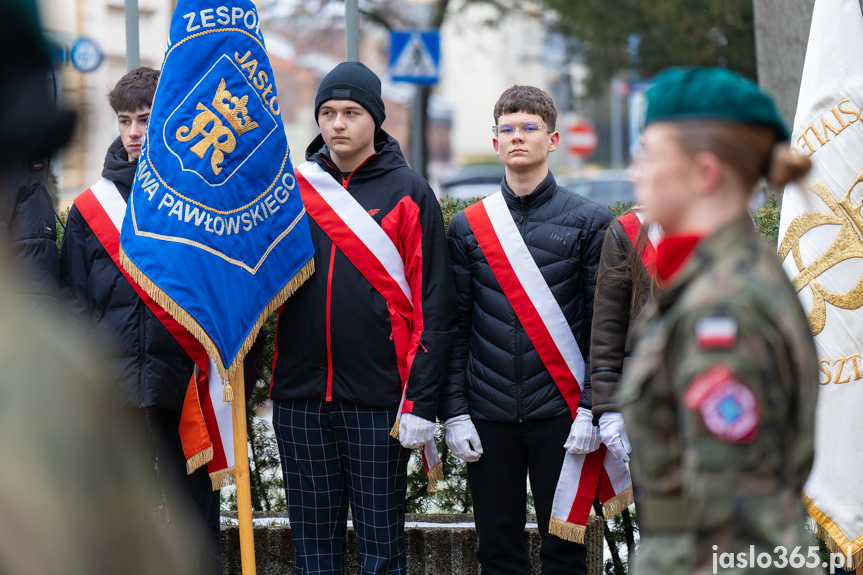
(833, 538)
(228, 392)
(434, 475)
(199, 459)
(618, 503)
(394, 432)
(834, 548)
(566, 530)
(186, 320)
(222, 478)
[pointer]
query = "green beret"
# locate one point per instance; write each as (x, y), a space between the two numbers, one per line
(711, 94)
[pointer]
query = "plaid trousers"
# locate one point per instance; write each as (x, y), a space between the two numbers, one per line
(334, 454)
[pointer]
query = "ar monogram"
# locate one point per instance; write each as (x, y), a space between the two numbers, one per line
(848, 244)
(218, 136)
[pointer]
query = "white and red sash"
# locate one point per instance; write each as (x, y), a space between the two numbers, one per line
(582, 477)
(375, 255)
(205, 426)
(632, 223)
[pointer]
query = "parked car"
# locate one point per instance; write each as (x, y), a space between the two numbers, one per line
(604, 187)
(471, 182)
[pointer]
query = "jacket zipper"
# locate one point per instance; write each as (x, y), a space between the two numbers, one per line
(518, 376)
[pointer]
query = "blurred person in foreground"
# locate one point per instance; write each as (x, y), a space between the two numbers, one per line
(148, 369)
(74, 497)
(31, 126)
(719, 398)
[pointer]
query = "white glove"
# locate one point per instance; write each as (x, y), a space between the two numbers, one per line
(583, 435)
(462, 438)
(614, 434)
(415, 431)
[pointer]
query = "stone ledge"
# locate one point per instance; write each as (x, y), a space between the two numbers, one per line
(436, 544)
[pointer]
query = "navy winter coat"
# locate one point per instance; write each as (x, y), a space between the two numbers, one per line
(142, 360)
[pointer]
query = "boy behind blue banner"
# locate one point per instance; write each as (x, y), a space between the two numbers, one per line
(148, 368)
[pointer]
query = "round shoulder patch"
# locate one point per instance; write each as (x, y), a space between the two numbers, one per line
(726, 406)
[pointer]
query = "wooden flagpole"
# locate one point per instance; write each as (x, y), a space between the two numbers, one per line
(241, 470)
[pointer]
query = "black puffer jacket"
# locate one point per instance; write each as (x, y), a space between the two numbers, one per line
(495, 373)
(28, 235)
(335, 336)
(147, 366)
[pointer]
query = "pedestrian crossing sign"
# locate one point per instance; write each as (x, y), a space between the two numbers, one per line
(415, 56)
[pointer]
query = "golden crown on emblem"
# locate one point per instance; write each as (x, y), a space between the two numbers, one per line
(233, 109)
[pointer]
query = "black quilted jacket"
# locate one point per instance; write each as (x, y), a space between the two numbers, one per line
(142, 360)
(28, 235)
(494, 373)
(146, 365)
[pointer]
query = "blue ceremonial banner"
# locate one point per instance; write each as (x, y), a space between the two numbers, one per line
(215, 230)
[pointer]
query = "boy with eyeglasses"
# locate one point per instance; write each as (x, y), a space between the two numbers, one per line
(525, 263)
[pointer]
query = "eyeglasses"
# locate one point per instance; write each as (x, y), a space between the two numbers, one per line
(509, 129)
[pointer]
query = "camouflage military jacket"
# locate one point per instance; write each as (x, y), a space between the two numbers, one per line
(719, 403)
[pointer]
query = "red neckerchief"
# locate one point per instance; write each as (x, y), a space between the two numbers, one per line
(672, 252)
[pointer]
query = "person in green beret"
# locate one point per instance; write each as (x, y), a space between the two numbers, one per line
(719, 398)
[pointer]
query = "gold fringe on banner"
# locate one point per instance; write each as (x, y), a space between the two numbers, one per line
(566, 530)
(199, 459)
(186, 320)
(833, 538)
(434, 475)
(394, 432)
(223, 478)
(618, 503)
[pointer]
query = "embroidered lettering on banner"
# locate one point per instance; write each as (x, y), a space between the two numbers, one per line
(840, 117)
(841, 370)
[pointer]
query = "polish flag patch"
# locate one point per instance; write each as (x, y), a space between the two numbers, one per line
(727, 406)
(716, 332)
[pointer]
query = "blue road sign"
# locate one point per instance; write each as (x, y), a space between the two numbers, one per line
(85, 54)
(415, 56)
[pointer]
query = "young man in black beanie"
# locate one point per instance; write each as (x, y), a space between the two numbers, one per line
(361, 348)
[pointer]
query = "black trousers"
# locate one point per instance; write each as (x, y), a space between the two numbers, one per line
(193, 506)
(511, 453)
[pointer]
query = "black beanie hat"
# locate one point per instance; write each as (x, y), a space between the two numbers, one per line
(353, 81)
